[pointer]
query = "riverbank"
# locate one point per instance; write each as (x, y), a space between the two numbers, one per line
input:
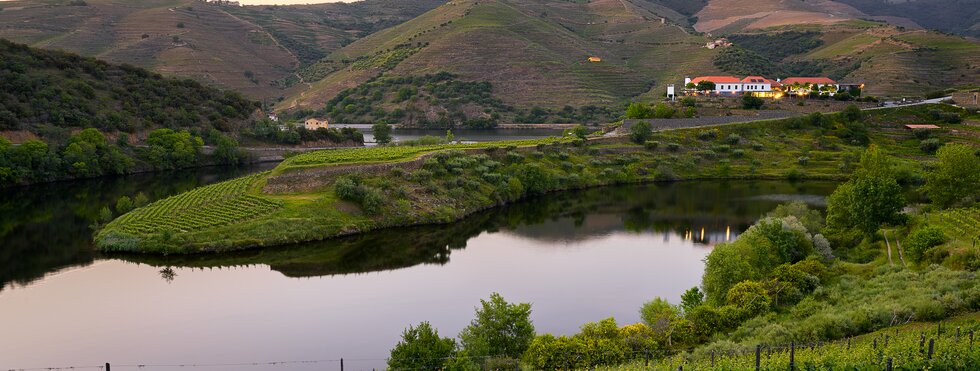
(326, 194)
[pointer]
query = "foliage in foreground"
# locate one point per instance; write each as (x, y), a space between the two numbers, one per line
(907, 346)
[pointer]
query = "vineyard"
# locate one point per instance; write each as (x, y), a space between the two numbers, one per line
(209, 206)
(915, 346)
(961, 225)
(385, 154)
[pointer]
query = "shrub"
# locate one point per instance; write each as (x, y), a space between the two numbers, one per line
(421, 348)
(640, 132)
(803, 160)
(922, 239)
(689, 101)
(922, 134)
(708, 135)
(514, 157)
(930, 145)
(733, 139)
(499, 329)
(738, 153)
(123, 205)
(673, 147)
(752, 102)
(651, 145)
(750, 297)
(346, 188)
(372, 201)
(852, 113)
(639, 111)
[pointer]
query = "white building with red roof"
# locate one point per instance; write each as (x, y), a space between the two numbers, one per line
(762, 87)
(731, 85)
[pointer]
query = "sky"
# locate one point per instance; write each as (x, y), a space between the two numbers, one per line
(287, 2)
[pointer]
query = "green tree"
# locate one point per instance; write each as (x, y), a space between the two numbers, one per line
(692, 298)
(638, 110)
(661, 317)
(922, 239)
(170, 149)
(852, 113)
(140, 200)
(228, 152)
(641, 132)
(871, 198)
(580, 131)
(105, 215)
(663, 111)
(124, 204)
(421, 348)
(382, 132)
(499, 329)
(955, 177)
(811, 219)
(706, 86)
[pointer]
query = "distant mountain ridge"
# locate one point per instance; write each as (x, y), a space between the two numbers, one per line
(956, 16)
(554, 54)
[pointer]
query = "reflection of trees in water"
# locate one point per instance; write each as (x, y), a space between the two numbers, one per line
(168, 274)
(45, 227)
(677, 208)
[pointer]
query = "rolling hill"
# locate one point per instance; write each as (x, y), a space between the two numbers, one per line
(52, 93)
(535, 53)
(532, 53)
(248, 49)
(956, 16)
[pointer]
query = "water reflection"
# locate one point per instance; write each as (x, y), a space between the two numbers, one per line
(46, 227)
(577, 256)
(704, 213)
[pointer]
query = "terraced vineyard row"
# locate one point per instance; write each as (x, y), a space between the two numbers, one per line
(209, 206)
(381, 154)
(961, 224)
(210, 215)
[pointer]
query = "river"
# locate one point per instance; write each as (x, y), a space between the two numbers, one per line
(577, 257)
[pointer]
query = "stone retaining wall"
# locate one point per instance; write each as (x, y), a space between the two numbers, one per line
(665, 124)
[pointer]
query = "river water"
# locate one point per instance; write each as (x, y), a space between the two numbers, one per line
(577, 257)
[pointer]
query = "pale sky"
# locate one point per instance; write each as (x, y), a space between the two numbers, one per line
(287, 2)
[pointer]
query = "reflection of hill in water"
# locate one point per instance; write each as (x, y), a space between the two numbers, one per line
(679, 208)
(45, 227)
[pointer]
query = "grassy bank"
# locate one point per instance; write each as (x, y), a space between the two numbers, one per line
(340, 192)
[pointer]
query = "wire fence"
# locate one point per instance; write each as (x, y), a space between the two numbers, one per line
(660, 359)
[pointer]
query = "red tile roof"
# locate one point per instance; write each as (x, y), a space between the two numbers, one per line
(922, 127)
(810, 80)
(717, 79)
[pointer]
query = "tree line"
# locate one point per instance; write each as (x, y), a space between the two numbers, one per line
(89, 153)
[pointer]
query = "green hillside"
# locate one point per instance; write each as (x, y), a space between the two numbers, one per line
(50, 92)
(249, 49)
(534, 53)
